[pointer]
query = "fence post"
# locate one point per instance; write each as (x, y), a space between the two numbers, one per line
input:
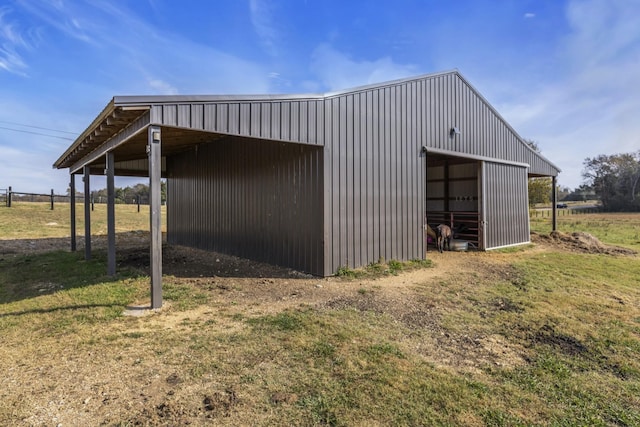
(92, 201)
(9, 198)
(138, 201)
(52, 199)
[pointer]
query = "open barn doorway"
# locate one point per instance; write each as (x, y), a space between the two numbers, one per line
(453, 198)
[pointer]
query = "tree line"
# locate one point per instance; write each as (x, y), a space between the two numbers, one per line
(128, 195)
(615, 179)
(612, 179)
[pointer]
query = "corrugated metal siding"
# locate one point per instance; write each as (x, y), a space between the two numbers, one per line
(453, 102)
(506, 205)
(375, 171)
(256, 199)
(281, 120)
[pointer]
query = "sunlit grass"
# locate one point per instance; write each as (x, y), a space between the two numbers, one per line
(27, 220)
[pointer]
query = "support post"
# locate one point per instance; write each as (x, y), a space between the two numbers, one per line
(52, 199)
(9, 197)
(87, 214)
(72, 203)
(111, 216)
(554, 204)
(155, 172)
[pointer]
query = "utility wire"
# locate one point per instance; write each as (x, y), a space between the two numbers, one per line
(37, 127)
(38, 133)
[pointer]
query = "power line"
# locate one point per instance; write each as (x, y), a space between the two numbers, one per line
(36, 127)
(38, 133)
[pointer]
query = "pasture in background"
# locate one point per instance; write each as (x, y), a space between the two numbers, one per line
(32, 220)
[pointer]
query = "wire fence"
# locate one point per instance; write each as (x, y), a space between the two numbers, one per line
(548, 213)
(8, 197)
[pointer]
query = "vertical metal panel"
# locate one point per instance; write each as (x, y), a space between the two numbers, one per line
(184, 115)
(505, 197)
(252, 198)
(285, 120)
(245, 124)
(222, 118)
(234, 119)
(209, 117)
(294, 123)
(265, 120)
(197, 116)
(170, 115)
(376, 175)
(276, 109)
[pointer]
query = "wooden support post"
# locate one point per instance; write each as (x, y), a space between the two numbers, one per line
(111, 215)
(87, 214)
(155, 172)
(72, 203)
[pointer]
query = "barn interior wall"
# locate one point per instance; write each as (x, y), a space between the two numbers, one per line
(252, 198)
(452, 197)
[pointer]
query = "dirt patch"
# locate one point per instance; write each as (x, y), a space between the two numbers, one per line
(579, 242)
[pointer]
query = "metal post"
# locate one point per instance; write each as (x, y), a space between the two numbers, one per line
(554, 204)
(155, 172)
(52, 199)
(92, 201)
(138, 202)
(9, 197)
(72, 202)
(87, 214)
(111, 216)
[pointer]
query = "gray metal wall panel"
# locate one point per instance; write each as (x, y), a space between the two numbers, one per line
(376, 173)
(299, 121)
(506, 203)
(251, 198)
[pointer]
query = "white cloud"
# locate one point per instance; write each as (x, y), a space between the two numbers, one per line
(337, 70)
(529, 15)
(262, 20)
(11, 41)
(162, 87)
(591, 105)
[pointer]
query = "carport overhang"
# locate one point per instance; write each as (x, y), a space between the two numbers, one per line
(123, 141)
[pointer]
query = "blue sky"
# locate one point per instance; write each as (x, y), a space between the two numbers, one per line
(563, 73)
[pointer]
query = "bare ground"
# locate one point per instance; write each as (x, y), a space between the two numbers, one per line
(84, 388)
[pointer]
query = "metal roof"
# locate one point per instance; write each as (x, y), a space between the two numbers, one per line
(120, 127)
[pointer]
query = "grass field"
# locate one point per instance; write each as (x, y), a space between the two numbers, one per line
(535, 336)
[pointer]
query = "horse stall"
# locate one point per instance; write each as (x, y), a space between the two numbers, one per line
(452, 198)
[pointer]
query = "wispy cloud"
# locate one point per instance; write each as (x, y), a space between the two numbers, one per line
(529, 15)
(337, 70)
(11, 41)
(262, 19)
(591, 105)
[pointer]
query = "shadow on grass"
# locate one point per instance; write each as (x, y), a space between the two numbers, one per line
(57, 309)
(37, 274)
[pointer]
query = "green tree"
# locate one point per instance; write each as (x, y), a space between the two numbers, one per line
(615, 180)
(539, 188)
